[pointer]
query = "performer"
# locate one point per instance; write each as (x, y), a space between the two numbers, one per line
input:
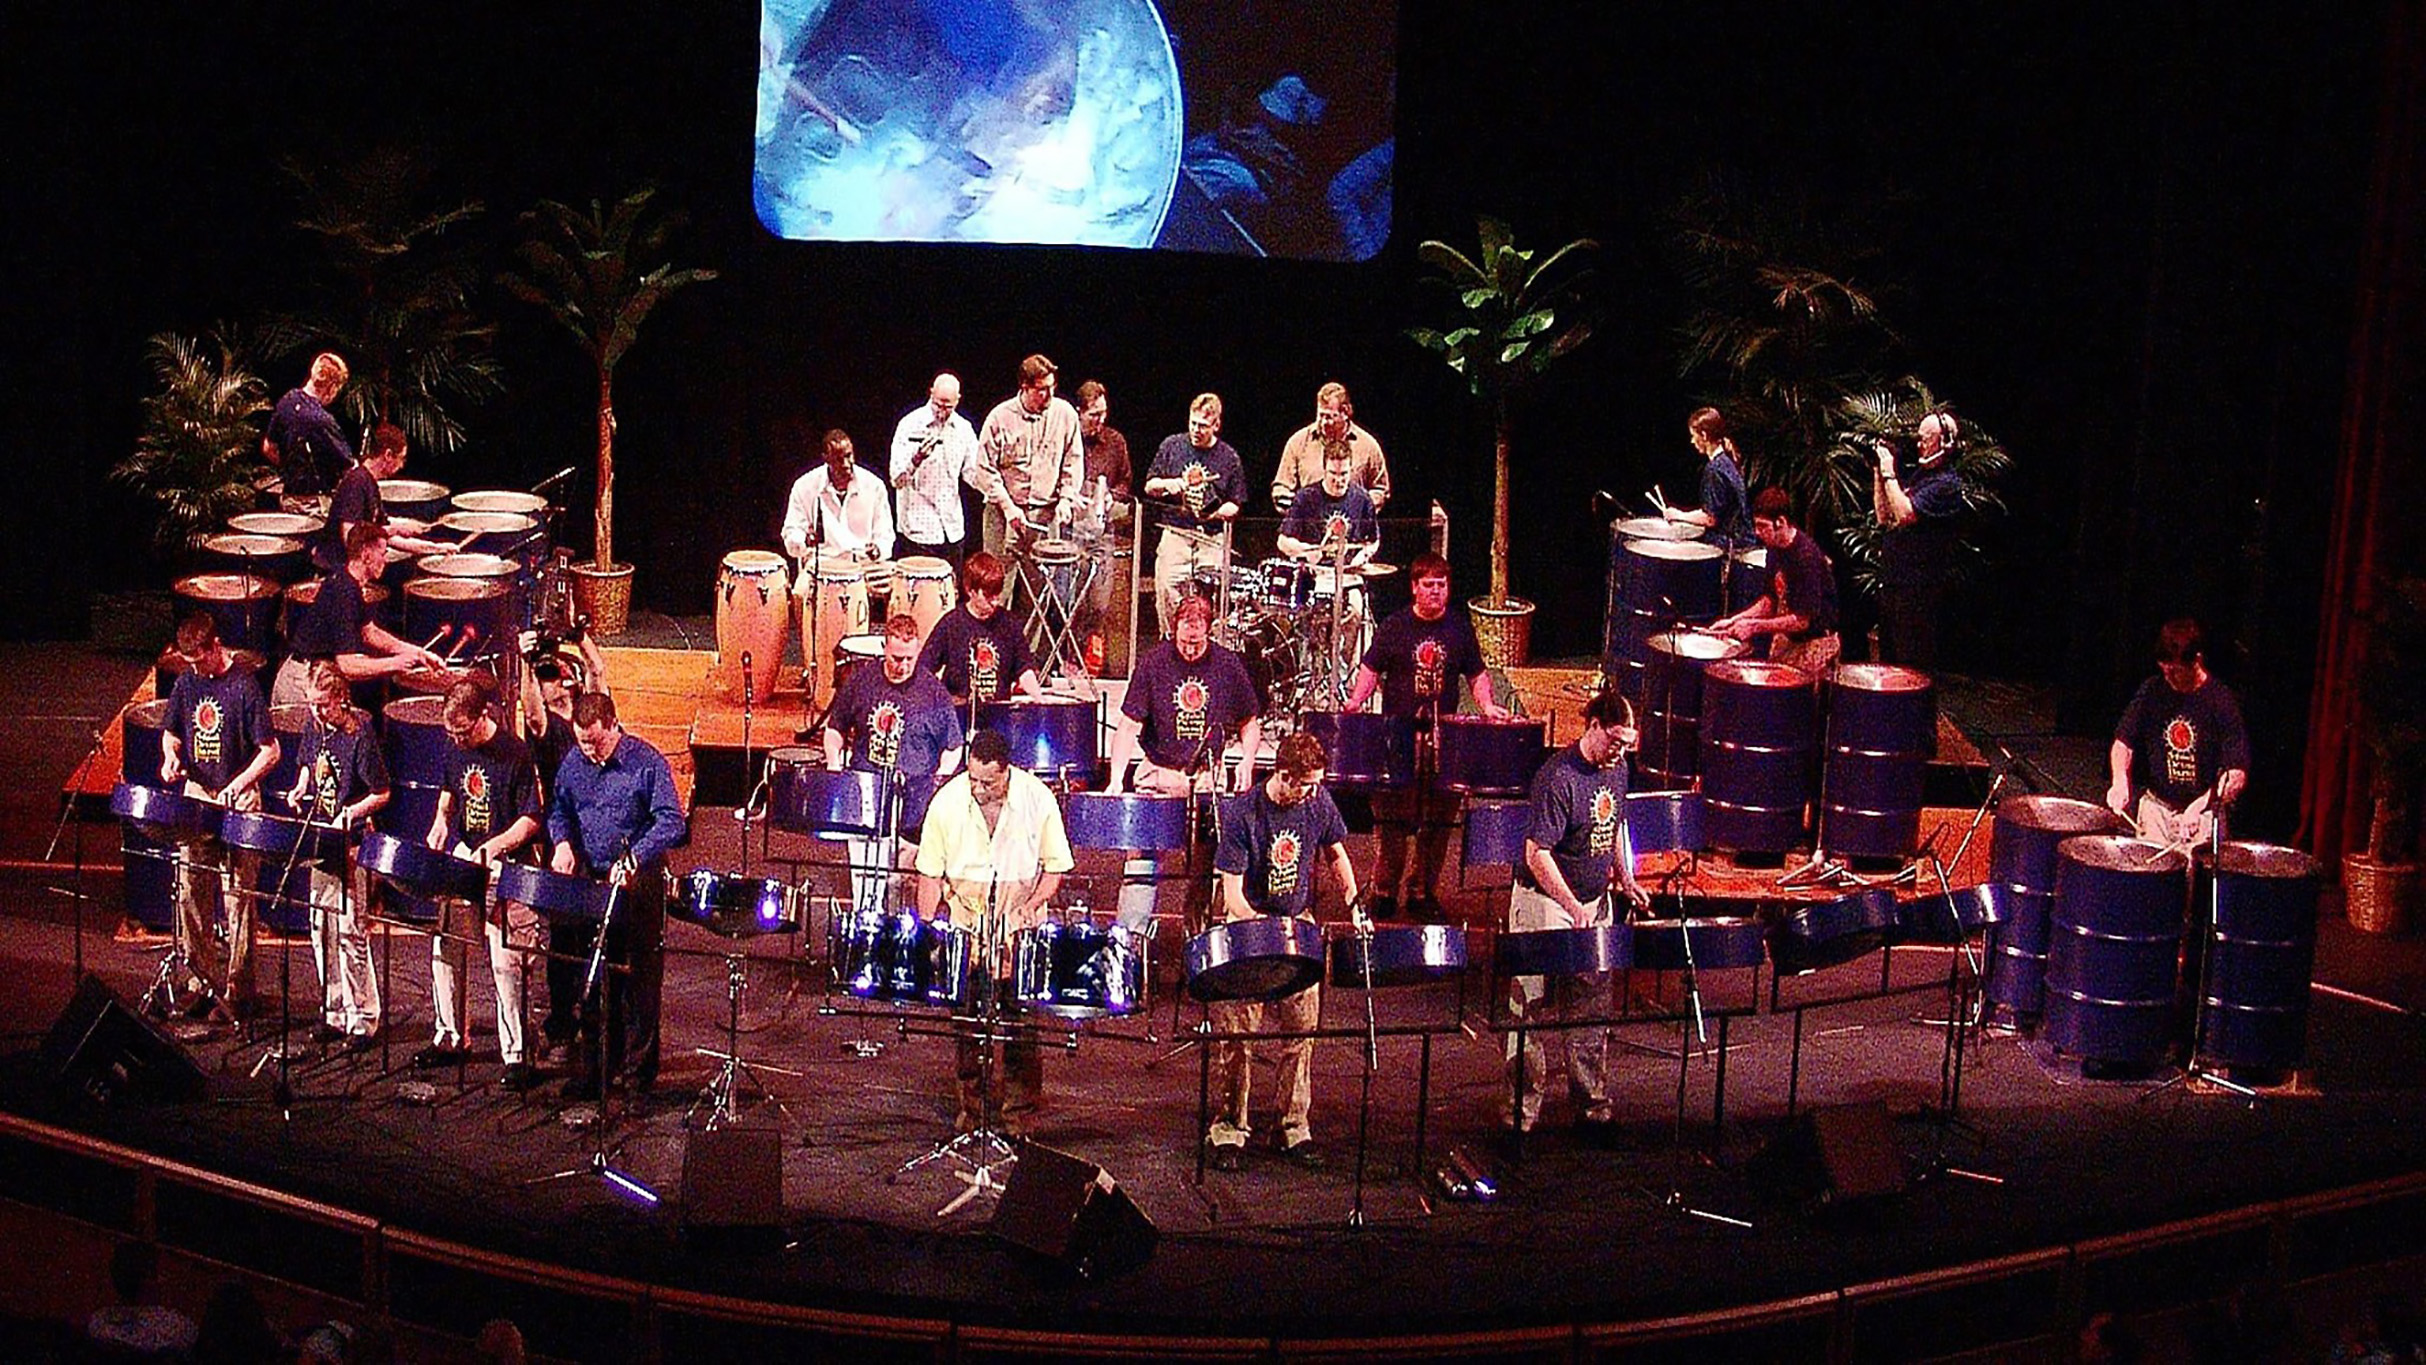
(1723, 508)
(341, 779)
(304, 440)
(981, 653)
(337, 627)
(1417, 655)
(839, 509)
(1575, 838)
(1199, 477)
(549, 684)
(355, 502)
(1797, 610)
(613, 813)
(2181, 745)
(488, 811)
(992, 855)
(1916, 511)
(896, 720)
(216, 746)
(1107, 522)
(1336, 512)
(1030, 458)
(1270, 839)
(1186, 697)
(934, 447)
(1301, 458)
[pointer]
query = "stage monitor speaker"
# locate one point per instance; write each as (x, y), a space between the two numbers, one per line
(732, 1182)
(1073, 1211)
(105, 1049)
(1832, 1159)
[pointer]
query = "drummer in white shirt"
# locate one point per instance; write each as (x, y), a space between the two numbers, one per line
(839, 508)
(932, 448)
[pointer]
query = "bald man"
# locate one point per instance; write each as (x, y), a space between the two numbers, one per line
(932, 447)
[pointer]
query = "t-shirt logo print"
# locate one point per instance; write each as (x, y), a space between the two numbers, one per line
(476, 813)
(208, 723)
(884, 737)
(1335, 526)
(327, 798)
(1604, 823)
(1191, 700)
(1431, 662)
(2181, 752)
(984, 663)
(1286, 851)
(1198, 482)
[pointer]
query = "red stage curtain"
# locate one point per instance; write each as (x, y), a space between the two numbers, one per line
(2376, 525)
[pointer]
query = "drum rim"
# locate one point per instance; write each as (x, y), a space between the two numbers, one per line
(255, 588)
(413, 490)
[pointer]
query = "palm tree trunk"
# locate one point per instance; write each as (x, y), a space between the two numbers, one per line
(606, 468)
(1499, 501)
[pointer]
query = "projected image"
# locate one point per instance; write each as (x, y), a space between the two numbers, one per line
(1243, 126)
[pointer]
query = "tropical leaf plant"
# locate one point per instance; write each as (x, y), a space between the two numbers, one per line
(201, 442)
(1514, 313)
(1856, 426)
(596, 271)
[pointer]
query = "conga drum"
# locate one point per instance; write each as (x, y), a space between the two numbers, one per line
(833, 596)
(924, 588)
(1882, 728)
(753, 595)
(1756, 735)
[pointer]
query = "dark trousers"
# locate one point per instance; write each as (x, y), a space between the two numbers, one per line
(1907, 618)
(952, 552)
(635, 942)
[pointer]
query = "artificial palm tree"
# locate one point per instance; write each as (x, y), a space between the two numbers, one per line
(589, 270)
(1855, 426)
(1513, 316)
(2382, 883)
(201, 441)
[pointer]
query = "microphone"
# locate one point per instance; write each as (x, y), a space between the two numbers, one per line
(745, 679)
(1604, 506)
(553, 479)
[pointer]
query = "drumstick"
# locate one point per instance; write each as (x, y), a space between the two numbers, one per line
(462, 643)
(432, 642)
(1659, 500)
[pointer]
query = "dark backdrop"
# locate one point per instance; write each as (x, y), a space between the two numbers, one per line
(2124, 242)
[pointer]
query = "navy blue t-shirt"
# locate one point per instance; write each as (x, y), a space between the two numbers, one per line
(339, 768)
(312, 449)
(2182, 741)
(1576, 813)
(1225, 479)
(1723, 497)
(985, 656)
(1315, 515)
(493, 785)
(1274, 850)
(332, 624)
(1802, 583)
(355, 500)
(1178, 704)
(1420, 661)
(1923, 553)
(220, 723)
(898, 728)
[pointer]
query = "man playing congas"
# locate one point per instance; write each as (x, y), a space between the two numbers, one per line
(341, 779)
(992, 855)
(218, 745)
(488, 811)
(2181, 745)
(839, 512)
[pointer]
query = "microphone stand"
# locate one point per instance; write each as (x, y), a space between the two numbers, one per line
(1202, 763)
(593, 1004)
(810, 620)
(2209, 930)
(67, 812)
(1362, 927)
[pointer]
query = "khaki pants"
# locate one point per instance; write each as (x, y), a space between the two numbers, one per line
(341, 947)
(509, 965)
(1292, 1059)
(1814, 656)
(1176, 559)
(214, 891)
(1556, 999)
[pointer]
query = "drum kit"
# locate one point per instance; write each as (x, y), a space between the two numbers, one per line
(1301, 626)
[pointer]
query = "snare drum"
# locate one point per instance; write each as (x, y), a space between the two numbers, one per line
(753, 595)
(833, 597)
(924, 589)
(1287, 585)
(1079, 970)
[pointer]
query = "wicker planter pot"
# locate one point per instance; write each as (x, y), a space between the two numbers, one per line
(604, 596)
(1504, 632)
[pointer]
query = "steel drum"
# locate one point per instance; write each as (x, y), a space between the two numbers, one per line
(1948, 919)
(1052, 737)
(852, 653)
(1130, 821)
(1367, 751)
(753, 613)
(468, 618)
(1756, 754)
(1495, 833)
(457, 564)
(2114, 949)
(293, 525)
(893, 955)
(1401, 955)
(1747, 576)
(804, 797)
(418, 499)
(1264, 958)
(280, 559)
(1077, 969)
(554, 894)
(531, 505)
(417, 748)
(151, 883)
(1656, 585)
(164, 814)
(734, 906)
(507, 534)
(2022, 860)
(1588, 951)
(283, 837)
(1490, 757)
(1710, 944)
(1654, 528)
(1882, 730)
(1829, 933)
(1671, 703)
(2254, 989)
(1666, 822)
(424, 871)
(244, 606)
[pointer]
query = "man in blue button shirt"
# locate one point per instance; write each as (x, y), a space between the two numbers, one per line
(613, 813)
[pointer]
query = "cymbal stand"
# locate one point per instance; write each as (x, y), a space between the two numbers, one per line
(2209, 927)
(1363, 929)
(984, 1150)
(723, 1094)
(811, 618)
(594, 1006)
(67, 812)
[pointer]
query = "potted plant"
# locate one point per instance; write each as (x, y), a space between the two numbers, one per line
(586, 268)
(201, 442)
(2380, 885)
(1512, 317)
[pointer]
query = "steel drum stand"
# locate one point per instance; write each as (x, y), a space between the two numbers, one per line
(723, 1094)
(1821, 870)
(987, 1176)
(159, 998)
(1674, 1200)
(2193, 1069)
(593, 1001)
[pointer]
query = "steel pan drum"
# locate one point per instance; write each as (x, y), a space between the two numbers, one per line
(1655, 528)
(1950, 919)
(1655, 585)
(1714, 944)
(281, 837)
(418, 499)
(552, 893)
(1756, 754)
(2114, 948)
(734, 906)
(852, 653)
(2254, 1005)
(1666, 822)
(1828, 933)
(1367, 751)
(423, 870)
(1052, 737)
(531, 505)
(280, 559)
(2022, 860)
(244, 606)
(1130, 821)
(1264, 958)
(1567, 952)
(803, 797)
(509, 534)
(1402, 955)
(1882, 730)
(468, 617)
(164, 814)
(893, 955)
(1671, 704)
(1491, 757)
(458, 564)
(293, 525)
(1495, 833)
(151, 891)
(1079, 970)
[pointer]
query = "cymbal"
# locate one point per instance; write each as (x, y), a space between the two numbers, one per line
(1375, 568)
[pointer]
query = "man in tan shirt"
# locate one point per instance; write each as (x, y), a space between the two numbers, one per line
(1301, 460)
(1030, 458)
